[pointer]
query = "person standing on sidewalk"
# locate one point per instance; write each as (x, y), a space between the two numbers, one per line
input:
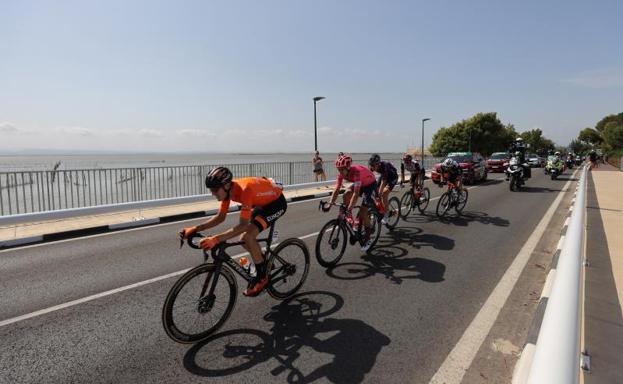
(318, 170)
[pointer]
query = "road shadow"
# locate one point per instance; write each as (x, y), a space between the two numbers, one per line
(413, 237)
(528, 189)
(388, 259)
(300, 322)
(462, 220)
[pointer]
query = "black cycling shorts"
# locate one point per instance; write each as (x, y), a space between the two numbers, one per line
(264, 216)
(368, 193)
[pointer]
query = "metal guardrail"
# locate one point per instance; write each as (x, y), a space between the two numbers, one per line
(42, 191)
(76, 212)
(557, 355)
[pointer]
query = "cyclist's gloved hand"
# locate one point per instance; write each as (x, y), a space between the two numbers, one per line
(209, 242)
(186, 232)
(325, 207)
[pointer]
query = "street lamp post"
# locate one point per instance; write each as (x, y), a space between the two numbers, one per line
(423, 120)
(316, 99)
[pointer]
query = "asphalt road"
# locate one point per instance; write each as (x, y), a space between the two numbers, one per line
(392, 316)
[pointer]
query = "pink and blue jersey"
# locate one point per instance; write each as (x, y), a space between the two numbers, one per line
(359, 175)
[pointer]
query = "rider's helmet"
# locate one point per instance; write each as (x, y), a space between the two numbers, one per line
(557, 153)
(517, 153)
(519, 140)
(218, 177)
(447, 163)
(407, 158)
(374, 160)
(343, 161)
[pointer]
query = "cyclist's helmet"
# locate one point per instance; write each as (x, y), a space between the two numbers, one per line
(407, 158)
(374, 160)
(557, 153)
(218, 177)
(448, 163)
(519, 140)
(343, 161)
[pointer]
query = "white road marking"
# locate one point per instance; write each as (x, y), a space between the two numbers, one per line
(111, 292)
(460, 358)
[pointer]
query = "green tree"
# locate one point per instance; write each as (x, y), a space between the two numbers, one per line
(601, 124)
(483, 132)
(578, 146)
(590, 136)
(538, 143)
(613, 134)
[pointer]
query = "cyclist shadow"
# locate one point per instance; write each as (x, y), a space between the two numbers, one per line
(413, 237)
(299, 322)
(387, 259)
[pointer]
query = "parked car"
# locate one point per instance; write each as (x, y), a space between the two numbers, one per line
(535, 160)
(472, 163)
(495, 163)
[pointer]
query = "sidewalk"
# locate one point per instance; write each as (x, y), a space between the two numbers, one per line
(34, 232)
(603, 318)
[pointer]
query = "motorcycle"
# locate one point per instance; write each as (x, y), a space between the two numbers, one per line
(578, 161)
(569, 162)
(554, 167)
(514, 173)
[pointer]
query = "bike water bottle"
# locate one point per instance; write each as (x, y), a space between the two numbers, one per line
(275, 236)
(248, 266)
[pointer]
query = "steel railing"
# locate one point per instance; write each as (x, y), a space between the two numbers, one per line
(557, 354)
(41, 191)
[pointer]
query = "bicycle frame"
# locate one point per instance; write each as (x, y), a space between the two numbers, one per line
(220, 257)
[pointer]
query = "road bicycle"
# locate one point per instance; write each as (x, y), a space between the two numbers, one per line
(202, 300)
(332, 238)
(453, 197)
(394, 211)
(415, 198)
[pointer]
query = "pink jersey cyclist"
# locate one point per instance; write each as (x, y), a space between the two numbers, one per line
(359, 175)
(364, 182)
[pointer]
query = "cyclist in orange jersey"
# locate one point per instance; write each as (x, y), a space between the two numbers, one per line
(262, 203)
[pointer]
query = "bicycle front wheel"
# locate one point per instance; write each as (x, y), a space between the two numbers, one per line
(462, 200)
(192, 310)
(423, 201)
(331, 244)
(393, 211)
(288, 268)
(406, 204)
(443, 204)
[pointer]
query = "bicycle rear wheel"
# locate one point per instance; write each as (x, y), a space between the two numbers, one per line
(406, 204)
(393, 210)
(288, 268)
(190, 313)
(443, 205)
(462, 200)
(422, 204)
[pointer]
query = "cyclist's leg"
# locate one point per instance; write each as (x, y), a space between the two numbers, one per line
(348, 194)
(262, 218)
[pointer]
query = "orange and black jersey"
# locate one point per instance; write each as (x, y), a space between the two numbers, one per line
(251, 192)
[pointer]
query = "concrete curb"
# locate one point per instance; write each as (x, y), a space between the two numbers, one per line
(45, 238)
(522, 368)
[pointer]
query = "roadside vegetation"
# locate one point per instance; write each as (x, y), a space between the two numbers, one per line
(485, 133)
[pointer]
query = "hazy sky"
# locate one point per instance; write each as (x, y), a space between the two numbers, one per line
(240, 75)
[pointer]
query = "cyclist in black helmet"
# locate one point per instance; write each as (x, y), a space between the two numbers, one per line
(261, 203)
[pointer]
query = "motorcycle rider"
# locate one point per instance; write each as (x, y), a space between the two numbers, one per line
(518, 146)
